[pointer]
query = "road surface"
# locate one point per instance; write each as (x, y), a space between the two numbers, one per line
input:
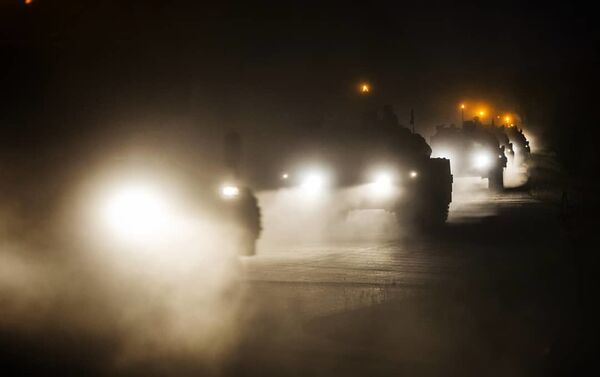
(476, 298)
(484, 296)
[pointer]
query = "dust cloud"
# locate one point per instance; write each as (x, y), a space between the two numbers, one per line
(515, 173)
(290, 216)
(68, 293)
(76, 300)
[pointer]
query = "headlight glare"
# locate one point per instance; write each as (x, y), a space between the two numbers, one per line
(382, 183)
(230, 191)
(313, 183)
(482, 160)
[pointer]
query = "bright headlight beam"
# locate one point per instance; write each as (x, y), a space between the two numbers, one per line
(383, 180)
(135, 212)
(382, 183)
(313, 183)
(229, 191)
(482, 160)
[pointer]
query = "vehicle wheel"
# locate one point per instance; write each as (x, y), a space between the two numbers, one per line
(434, 217)
(496, 180)
(249, 220)
(426, 218)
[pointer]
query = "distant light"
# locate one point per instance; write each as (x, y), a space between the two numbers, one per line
(462, 106)
(229, 191)
(507, 119)
(365, 88)
(285, 176)
(413, 174)
(481, 113)
(28, 2)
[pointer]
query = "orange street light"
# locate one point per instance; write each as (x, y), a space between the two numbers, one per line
(365, 88)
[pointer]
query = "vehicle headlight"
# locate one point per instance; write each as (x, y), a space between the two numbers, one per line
(382, 183)
(482, 160)
(229, 191)
(313, 182)
(135, 212)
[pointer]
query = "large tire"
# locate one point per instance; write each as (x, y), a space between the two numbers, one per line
(427, 215)
(432, 217)
(424, 221)
(249, 223)
(496, 179)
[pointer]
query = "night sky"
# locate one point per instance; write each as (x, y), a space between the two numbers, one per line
(73, 69)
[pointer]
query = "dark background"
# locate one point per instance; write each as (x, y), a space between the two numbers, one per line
(74, 68)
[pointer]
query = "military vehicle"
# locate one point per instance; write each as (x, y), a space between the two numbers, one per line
(147, 189)
(473, 150)
(380, 165)
(40, 37)
(130, 196)
(519, 141)
(502, 136)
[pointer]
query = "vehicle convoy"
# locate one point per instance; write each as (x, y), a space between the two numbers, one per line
(474, 151)
(519, 141)
(513, 139)
(381, 165)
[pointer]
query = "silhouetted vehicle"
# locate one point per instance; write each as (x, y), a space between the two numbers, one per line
(519, 141)
(240, 201)
(502, 136)
(513, 140)
(382, 165)
(129, 196)
(37, 36)
(473, 150)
